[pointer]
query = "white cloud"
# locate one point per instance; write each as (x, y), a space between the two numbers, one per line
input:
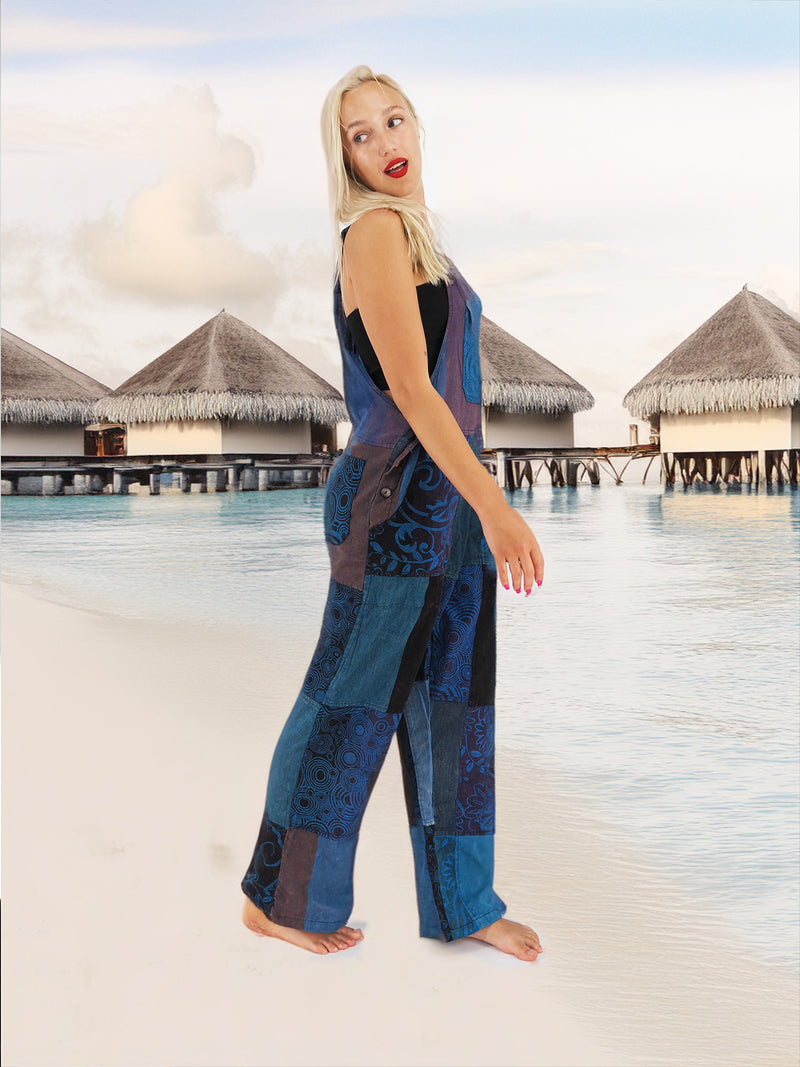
(37, 34)
(169, 246)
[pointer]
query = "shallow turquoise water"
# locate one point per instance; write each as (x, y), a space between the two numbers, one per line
(655, 674)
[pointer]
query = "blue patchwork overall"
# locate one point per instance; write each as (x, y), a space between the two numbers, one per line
(407, 648)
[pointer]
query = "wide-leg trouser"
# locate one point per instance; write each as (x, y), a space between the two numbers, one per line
(411, 656)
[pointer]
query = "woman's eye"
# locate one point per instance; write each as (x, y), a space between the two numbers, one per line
(395, 120)
(359, 138)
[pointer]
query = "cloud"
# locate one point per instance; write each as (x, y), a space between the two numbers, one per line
(31, 34)
(25, 34)
(169, 246)
(546, 259)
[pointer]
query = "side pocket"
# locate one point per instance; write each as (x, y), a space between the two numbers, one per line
(394, 484)
(342, 487)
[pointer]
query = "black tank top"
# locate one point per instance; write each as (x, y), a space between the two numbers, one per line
(433, 309)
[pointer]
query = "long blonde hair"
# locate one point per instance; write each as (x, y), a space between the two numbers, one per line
(350, 198)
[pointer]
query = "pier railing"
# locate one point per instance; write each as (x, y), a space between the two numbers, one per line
(565, 466)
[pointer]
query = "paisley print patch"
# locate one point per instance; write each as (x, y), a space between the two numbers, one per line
(342, 758)
(341, 611)
(415, 541)
(339, 495)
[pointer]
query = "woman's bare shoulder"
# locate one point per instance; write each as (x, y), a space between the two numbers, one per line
(381, 225)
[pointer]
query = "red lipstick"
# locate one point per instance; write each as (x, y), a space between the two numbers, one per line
(398, 168)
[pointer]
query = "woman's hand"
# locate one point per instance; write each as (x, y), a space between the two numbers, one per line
(514, 547)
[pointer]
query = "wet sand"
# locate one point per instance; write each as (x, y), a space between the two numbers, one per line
(134, 767)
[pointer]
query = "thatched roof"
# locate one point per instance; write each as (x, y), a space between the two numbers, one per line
(517, 380)
(38, 388)
(225, 369)
(745, 357)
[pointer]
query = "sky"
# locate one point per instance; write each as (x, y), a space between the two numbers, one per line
(606, 175)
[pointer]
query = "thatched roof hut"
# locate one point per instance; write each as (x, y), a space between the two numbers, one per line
(744, 358)
(518, 380)
(40, 389)
(224, 370)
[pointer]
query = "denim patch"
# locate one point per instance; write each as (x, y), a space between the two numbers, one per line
(330, 889)
(417, 720)
(466, 873)
(447, 733)
(287, 758)
(369, 668)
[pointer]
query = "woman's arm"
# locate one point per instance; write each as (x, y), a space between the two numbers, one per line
(378, 274)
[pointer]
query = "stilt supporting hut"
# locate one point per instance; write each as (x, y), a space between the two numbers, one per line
(726, 401)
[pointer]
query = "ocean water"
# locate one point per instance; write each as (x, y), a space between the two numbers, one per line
(655, 674)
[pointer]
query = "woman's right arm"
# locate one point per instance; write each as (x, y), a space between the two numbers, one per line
(380, 276)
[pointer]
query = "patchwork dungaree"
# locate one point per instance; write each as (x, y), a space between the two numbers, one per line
(407, 647)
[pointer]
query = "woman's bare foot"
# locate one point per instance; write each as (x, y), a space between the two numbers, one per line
(514, 938)
(255, 919)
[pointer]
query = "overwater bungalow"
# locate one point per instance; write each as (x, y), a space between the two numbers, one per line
(226, 389)
(528, 402)
(726, 401)
(46, 404)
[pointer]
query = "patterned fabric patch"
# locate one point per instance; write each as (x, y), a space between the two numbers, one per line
(453, 637)
(415, 541)
(475, 798)
(343, 756)
(341, 490)
(262, 875)
(341, 611)
(471, 366)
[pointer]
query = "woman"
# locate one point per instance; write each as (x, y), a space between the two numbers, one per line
(417, 531)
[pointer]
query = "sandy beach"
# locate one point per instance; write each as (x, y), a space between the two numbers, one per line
(134, 767)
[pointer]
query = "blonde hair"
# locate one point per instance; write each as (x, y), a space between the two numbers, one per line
(350, 198)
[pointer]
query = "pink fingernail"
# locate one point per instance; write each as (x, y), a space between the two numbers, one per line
(539, 581)
(518, 590)
(505, 586)
(527, 592)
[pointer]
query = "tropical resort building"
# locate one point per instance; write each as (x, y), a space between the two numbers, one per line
(225, 390)
(528, 402)
(46, 404)
(726, 401)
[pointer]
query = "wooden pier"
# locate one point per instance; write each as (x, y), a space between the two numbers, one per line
(565, 466)
(513, 469)
(54, 478)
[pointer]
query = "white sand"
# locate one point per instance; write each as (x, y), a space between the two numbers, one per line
(135, 761)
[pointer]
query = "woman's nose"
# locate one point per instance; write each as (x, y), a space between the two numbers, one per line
(385, 145)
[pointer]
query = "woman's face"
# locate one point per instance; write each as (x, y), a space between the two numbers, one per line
(381, 141)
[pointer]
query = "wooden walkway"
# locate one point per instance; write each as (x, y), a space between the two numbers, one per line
(513, 469)
(43, 478)
(565, 466)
